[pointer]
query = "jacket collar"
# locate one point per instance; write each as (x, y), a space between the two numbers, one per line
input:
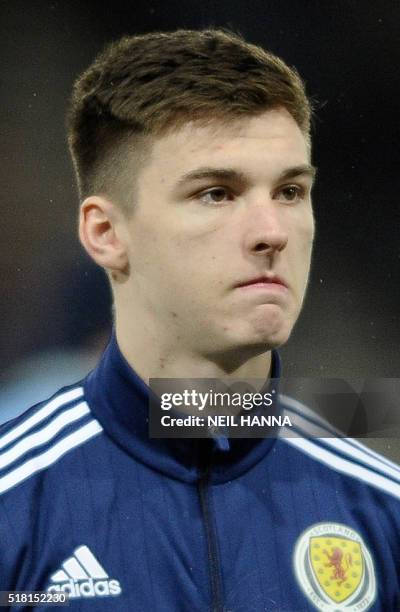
(119, 399)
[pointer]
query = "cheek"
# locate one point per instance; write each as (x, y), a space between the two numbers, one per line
(306, 233)
(188, 263)
(302, 244)
(198, 247)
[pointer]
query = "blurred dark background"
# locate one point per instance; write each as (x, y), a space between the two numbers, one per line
(53, 299)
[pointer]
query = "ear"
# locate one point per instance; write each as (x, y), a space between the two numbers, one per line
(101, 232)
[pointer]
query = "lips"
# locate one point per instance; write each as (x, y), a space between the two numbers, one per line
(263, 280)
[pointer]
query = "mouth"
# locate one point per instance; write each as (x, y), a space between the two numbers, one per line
(272, 282)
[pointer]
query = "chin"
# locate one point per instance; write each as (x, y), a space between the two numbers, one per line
(272, 333)
(271, 341)
(256, 335)
(256, 344)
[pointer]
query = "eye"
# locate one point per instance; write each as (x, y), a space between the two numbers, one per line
(291, 193)
(216, 195)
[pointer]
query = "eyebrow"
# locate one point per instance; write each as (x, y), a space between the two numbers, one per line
(305, 169)
(229, 174)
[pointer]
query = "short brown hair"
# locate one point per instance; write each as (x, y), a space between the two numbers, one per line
(146, 85)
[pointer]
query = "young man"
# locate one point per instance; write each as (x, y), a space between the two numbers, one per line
(192, 151)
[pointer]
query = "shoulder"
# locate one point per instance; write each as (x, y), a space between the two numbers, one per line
(43, 434)
(356, 463)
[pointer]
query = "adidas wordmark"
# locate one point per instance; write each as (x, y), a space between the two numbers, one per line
(83, 576)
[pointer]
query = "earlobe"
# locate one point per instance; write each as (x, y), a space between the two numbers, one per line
(100, 236)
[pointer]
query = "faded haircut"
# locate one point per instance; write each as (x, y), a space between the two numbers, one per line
(142, 87)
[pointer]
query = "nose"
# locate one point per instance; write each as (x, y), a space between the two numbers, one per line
(266, 232)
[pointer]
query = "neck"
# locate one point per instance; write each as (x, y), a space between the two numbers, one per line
(170, 360)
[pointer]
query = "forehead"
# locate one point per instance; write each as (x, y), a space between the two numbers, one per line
(270, 139)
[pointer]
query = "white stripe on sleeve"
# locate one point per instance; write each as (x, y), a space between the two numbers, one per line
(41, 414)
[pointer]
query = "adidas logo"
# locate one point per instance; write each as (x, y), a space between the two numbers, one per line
(83, 576)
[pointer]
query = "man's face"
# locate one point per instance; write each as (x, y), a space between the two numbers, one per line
(218, 209)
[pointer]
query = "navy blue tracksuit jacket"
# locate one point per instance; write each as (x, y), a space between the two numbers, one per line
(93, 507)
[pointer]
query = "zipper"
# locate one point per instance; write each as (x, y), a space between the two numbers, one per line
(212, 547)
